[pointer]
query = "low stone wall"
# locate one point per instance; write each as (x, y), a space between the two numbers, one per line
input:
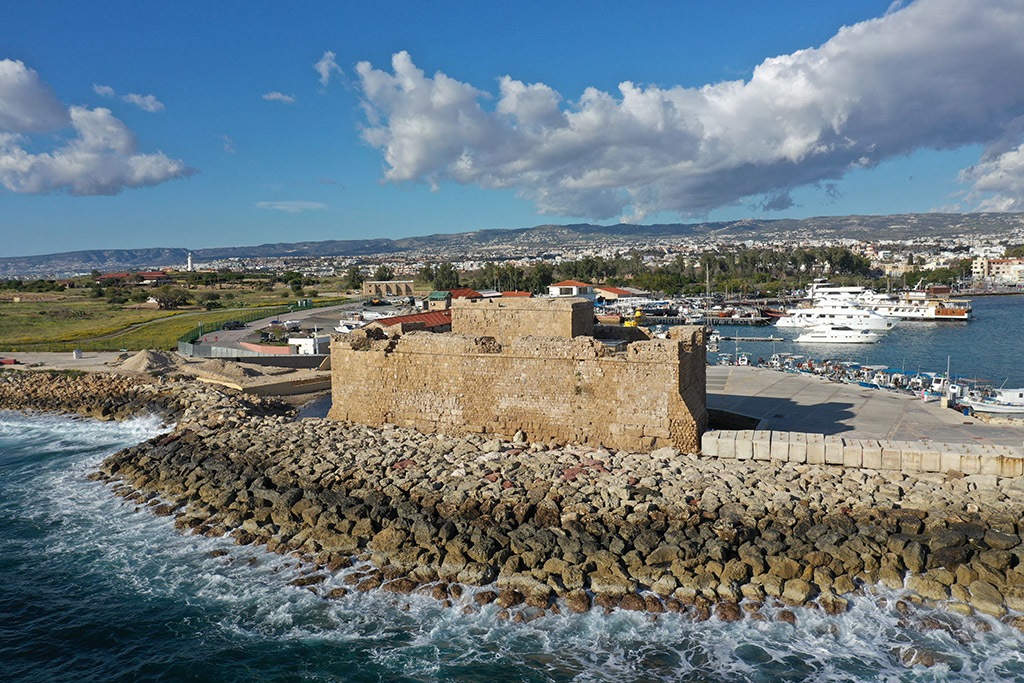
(505, 319)
(548, 388)
(899, 456)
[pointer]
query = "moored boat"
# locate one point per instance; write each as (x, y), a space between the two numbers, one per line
(838, 334)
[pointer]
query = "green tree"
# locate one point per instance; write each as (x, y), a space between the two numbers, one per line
(170, 297)
(538, 279)
(1015, 252)
(384, 273)
(446, 276)
(353, 278)
(426, 274)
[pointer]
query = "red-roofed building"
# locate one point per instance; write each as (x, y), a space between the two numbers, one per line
(433, 321)
(517, 293)
(465, 293)
(572, 288)
(614, 293)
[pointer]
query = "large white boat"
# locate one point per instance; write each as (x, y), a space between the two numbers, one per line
(838, 334)
(929, 303)
(837, 312)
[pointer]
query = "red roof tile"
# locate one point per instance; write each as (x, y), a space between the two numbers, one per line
(465, 293)
(571, 283)
(430, 319)
(614, 290)
(517, 293)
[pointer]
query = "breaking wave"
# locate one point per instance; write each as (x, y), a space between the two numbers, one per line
(96, 588)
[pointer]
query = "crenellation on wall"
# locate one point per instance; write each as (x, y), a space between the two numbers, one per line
(569, 389)
(509, 318)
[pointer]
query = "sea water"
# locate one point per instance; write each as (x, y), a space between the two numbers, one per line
(991, 346)
(95, 588)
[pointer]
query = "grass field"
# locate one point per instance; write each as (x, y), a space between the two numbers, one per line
(79, 322)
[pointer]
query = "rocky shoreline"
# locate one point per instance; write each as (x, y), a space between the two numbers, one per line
(540, 528)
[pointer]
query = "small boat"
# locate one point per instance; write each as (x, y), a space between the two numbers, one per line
(838, 334)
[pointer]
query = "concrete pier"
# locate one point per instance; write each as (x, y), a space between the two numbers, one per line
(808, 419)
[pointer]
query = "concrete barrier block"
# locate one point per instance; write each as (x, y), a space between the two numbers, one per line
(931, 460)
(970, 459)
(745, 444)
(780, 446)
(912, 456)
(762, 445)
(709, 444)
(815, 449)
(950, 456)
(853, 453)
(797, 447)
(1011, 462)
(989, 463)
(833, 450)
(892, 455)
(727, 444)
(872, 454)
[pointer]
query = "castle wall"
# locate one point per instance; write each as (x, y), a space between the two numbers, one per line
(506, 318)
(569, 390)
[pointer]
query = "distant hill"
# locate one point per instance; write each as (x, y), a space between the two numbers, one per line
(535, 240)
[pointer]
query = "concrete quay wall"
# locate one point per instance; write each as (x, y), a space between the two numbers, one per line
(880, 454)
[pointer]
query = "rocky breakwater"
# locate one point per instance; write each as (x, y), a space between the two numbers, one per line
(540, 527)
(105, 396)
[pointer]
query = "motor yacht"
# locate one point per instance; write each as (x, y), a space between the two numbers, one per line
(838, 334)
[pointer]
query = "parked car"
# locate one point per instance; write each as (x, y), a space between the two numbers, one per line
(233, 325)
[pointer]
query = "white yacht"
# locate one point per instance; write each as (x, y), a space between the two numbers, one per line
(930, 303)
(838, 334)
(837, 312)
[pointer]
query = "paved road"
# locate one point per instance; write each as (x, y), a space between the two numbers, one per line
(800, 403)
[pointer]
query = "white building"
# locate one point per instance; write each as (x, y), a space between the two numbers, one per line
(572, 288)
(308, 346)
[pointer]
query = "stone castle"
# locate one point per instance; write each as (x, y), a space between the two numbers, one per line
(537, 366)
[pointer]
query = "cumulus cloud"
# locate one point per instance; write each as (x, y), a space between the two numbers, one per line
(276, 96)
(935, 74)
(292, 206)
(27, 105)
(101, 158)
(104, 90)
(146, 102)
(326, 66)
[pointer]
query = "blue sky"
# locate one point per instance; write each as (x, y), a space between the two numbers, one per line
(883, 117)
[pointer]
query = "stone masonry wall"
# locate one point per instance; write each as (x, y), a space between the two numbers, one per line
(508, 318)
(569, 390)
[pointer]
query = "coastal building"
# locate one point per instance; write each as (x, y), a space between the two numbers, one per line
(534, 367)
(572, 288)
(441, 299)
(431, 321)
(1004, 270)
(616, 293)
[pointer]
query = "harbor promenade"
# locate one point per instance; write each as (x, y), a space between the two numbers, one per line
(797, 402)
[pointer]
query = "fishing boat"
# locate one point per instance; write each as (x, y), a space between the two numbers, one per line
(996, 402)
(838, 334)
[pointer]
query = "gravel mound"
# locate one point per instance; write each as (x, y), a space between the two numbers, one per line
(151, 361)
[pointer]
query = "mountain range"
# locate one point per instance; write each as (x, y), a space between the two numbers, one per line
(535, 241)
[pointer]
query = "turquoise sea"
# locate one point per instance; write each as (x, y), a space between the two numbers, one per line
(94, 589)
(989, 347)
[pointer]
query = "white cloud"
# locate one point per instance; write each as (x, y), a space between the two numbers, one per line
(104, 90)
(27, 105)
(102, 157)
(147, 102)
(325, 66)
(997, 184)
(292, 207)
(229, 146)
(279, 97)
(936, 74)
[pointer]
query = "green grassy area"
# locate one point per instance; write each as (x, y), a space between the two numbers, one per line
(78, 322)
(69, 319)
